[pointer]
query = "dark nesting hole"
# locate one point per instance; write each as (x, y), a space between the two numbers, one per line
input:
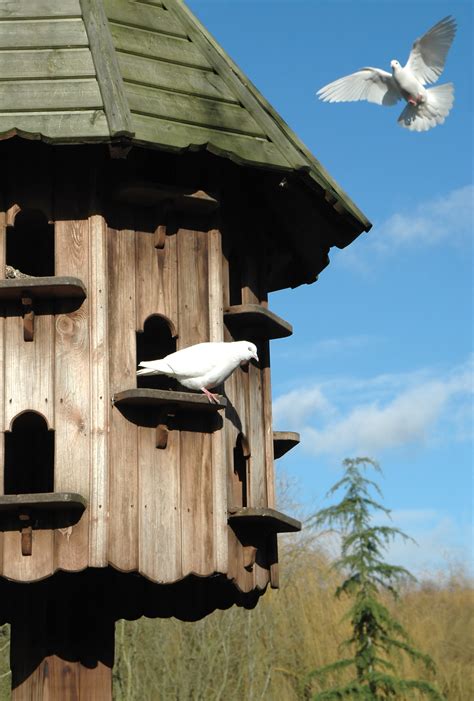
(29, 456)
(30, 244)
(239, 476)
(156, 341)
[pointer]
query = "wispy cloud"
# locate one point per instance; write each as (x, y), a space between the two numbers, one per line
(367, 416)
(446, 220)
(436, 540)
(325, 347)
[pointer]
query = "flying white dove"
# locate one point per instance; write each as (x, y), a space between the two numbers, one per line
(426, 107)
(202, 366)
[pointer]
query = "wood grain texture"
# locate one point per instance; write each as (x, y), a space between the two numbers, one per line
(72, 389)
(29, 369)
(107, 68)
(67, 127)
(175, 135)
(216, 333)
(197, 523)
(99, 391)
(123, 438)
(145, 43)
(82, 93)
(46, 63)
(144, 15)
(158, 470)
(16, 9)
(30, 34)
(2, 363)
(166, 104)
(182, 79)
(159, 495)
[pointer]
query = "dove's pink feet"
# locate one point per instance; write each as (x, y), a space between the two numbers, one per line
(415, 101)
(213, 398)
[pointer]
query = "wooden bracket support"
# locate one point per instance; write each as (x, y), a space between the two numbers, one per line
(28, 319)
(250, 556)
(160, 236)
(162, 431)
(26, 534)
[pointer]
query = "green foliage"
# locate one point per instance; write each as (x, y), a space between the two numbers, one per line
(377, 637)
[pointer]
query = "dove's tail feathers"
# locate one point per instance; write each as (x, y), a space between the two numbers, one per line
(154, 367)
(439, 101)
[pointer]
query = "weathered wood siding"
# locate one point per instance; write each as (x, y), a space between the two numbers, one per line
(160, 512)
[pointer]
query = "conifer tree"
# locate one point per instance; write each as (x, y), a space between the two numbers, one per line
(377, 638)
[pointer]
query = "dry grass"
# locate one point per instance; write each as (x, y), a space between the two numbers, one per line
(264, 654)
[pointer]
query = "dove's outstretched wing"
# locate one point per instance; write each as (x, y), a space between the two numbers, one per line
(372, 84)
(428, 55)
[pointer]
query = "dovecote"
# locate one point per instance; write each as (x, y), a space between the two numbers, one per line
(153, 201)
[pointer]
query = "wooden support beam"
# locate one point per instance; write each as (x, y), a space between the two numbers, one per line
(160, 236)
(162, 431)
(250, 555)
(26, 534)
(28, 319)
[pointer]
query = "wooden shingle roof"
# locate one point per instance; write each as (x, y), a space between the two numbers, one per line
(84, 71)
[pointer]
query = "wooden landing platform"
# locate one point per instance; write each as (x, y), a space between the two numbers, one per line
(167, 400)
(254, 321)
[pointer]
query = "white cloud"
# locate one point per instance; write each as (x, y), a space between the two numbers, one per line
(448, 218)
(355, 416)
(325, 347)
(438, 539)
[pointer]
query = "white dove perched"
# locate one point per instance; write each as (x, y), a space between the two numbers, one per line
(425, 107)
(202, 366)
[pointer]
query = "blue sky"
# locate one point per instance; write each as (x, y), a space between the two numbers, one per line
(380, 362)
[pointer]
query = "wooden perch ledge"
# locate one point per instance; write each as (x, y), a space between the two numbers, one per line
(176, 199)
(166, 403)
(42, 288)
(283, 441)
(254, 321)
(28, 512)
(167, 400)
(262, 521)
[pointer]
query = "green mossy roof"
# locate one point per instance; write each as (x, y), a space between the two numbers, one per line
(76, 71)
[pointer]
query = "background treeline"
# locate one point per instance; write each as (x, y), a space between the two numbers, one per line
(265, 653)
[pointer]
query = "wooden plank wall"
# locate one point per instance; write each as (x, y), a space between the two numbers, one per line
(28, 368)
(249, 392)
(161, 512)
(2, 364)
(168, 508)
(159, 547)
(63, 373)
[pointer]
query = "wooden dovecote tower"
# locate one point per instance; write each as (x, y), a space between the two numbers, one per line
(150, 199)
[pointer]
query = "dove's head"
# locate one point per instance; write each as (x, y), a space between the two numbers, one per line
(395, 65)
(247, 351)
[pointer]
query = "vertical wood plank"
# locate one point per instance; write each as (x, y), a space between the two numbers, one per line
(31, 568)
(2, 367)
(28, 373)
(99, 391)
(160, 525)
(219, 463)
(255, 419)
(72, 392)
(158, 470)
(123, 456)
(195, 450)
(29, 369)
